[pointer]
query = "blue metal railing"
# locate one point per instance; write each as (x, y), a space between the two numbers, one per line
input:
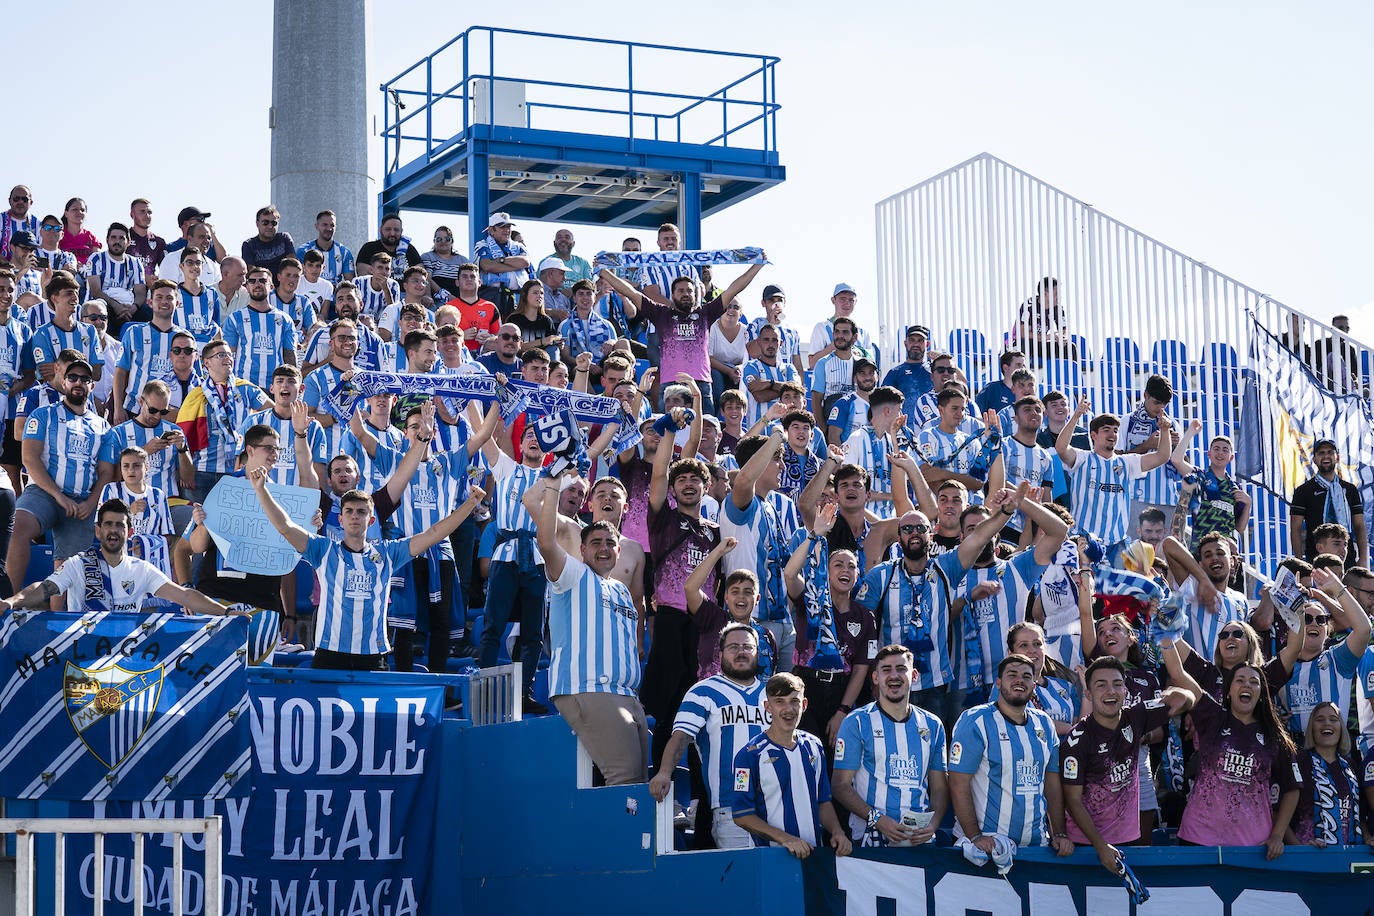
(422, 119)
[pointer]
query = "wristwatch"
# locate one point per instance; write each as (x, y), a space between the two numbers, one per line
(873, 815)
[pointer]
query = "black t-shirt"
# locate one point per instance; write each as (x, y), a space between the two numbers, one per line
(374, 247)
(533, 328)
(1309, 501)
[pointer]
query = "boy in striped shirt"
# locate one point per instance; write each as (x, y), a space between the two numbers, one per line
(782, 792)
(890, 760)
(355, 575)
(594, 672)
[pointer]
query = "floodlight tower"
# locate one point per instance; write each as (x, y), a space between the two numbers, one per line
(319, 117)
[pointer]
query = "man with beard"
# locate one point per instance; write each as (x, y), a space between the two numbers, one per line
(338, 257)
(1004, 768)
(368, 347)
(17, 218)
(833, 375)
(574, 267)
(780, 780)
(995, 593)
(850, 411)
(720, 714)
(912, 377)
(774, 304)
(502, 357)
(871, 445)
(1325, 497)
(679, 542)
(1201, 586)
(262, 337)
(69, 455)
(913, 598)
(118, 278)
(842, 300)
(343, 346)
(1101, 791)
(1100, 478)
(392, 241)
(890, 761)
(594, 672)
(127, 580)
(764, 375)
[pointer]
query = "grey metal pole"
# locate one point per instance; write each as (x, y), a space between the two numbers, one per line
(319, 118)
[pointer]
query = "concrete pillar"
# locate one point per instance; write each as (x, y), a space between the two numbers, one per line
(319, 118)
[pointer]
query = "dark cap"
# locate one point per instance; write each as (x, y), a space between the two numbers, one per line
(25, 238)
(918, 329)
(189, 213)
(1322, 443)
(771, 292)
(862, 361)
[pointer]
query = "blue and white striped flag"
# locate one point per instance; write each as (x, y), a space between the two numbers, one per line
(1286, 409)
(123, 706)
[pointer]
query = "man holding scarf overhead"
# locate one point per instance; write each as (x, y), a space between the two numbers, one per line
(1325, 497)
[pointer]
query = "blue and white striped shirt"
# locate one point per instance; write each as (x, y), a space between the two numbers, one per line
(987, 621)
(756, 370)
(259, 339)
(783, 786)
(789, 341)
(1031, 463)
(14, 339)
(375, 301)
(870, 451)
(490, 249)
(832, 375)
(162, 464)
(1008, 763)
(146, 355)
(1101, 494)
(891, 760)
(338, 259)
(369, 346)
(592, 629)
(151, 525)
(508, 513)
(300, 308)
(49, 340)
(1204, 624)
(355, 591)
(314, 391)
(72, 445)
(1161, 485)
(721, 716)
(586, 335)
(201, 313)
(439, 486)
(914, 611)
(285, 471)
(763, 548)
(1324, 679)
(124, 274)
(370, 476)
(953, 452)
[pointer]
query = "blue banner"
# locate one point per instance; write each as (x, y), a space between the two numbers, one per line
(1181, 880)
(341, 818)
(633, 260)
(242, 534)
(123, 706)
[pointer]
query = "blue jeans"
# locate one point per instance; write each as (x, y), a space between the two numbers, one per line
(508, 588)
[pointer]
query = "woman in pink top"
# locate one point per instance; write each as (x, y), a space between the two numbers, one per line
(1242, 748)
(76, 238)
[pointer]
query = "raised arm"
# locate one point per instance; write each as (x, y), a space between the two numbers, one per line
(663, 456)
(1051, 534)
(546, 530)
(1003, 505)
(626, 291)
(695, 586)
(1160, 456)
(904, 470)
(305, 458)
(441, 529)
(1063, 443)
(482, 435)
(295, 535)
(792, 572)
(693, 443)
(742, 491)
(741, 283)
(1344, 609)
(810, 496)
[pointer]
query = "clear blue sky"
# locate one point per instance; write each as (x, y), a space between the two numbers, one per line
(1238, 133)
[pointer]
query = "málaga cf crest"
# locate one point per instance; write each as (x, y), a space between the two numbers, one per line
(110, 708)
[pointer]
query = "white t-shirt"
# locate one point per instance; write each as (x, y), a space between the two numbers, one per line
(314, 292)
(128, 583)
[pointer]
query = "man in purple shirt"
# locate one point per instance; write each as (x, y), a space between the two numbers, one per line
(1100, 756)
(684, 326)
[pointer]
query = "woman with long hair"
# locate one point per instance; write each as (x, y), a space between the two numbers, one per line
(1237, 644)
(76, 238)
(537, 329)
(1242, 747)
(442, 261)
(1328, 811)
(1058, 690)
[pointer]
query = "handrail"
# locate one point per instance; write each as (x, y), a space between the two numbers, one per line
(756, 111)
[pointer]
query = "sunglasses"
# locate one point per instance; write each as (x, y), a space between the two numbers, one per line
(1232, 634)
(78, 379)
(252, 280)
(95, 316)
(1306, 618)
(159, 411)
(944, 370)
(183, 351)
(908, 529)
(510, 336)
(443, 238)
(49, 227)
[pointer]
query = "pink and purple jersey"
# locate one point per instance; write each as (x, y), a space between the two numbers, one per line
(1229, 805)
(679, 544)
(1105, 762)
(683, 337)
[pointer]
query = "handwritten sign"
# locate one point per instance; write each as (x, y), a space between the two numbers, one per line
(243, 535)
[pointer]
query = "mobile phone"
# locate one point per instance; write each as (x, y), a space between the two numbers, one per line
(42, 261)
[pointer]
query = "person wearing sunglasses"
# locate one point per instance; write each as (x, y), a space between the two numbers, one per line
(1322, 673)
(49, 237)
(70, 457)
(925, 409)
(269, 247)
(152, 428)
(17, 218)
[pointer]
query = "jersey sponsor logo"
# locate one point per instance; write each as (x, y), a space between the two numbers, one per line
(358, 583)
(956, 752)
(1237, 767)
(742, 778)
(1027, 777)
(1070, 767)
(31, 427)
(903, 768)
(839, 752)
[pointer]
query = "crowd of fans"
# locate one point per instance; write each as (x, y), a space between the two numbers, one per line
(814, 573)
